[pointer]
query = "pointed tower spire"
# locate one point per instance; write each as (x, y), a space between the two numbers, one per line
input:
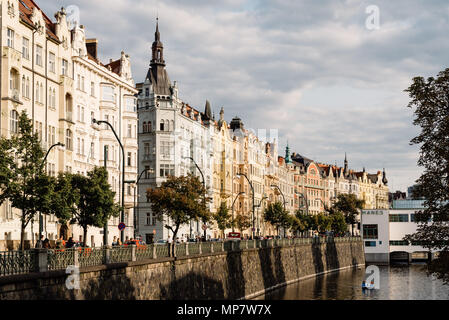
(384, 178)
(346, 165)
(157, 48)
(287, 154)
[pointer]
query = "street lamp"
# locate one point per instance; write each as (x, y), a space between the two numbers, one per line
(136, 216)
(240, 194)
(122, 218)
(41, 224)
(324, 205)
(258, 216)
(204, 196)
(252, 190)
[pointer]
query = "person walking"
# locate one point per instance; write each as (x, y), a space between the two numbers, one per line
(40, 243)
(70, 243)
(114, 241)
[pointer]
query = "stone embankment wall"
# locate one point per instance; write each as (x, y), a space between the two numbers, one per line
(224, 275)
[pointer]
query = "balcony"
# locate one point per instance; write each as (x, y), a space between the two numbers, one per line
(13, 56)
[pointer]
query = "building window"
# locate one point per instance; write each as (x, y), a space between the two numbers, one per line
(167, 170)
(39, 55)
(14, 83)
(65, 67)
(130, 104)
(14, 121)
(51, 62)
(10, 38)
(129, 131)
(108, 93)
(82, 84)
(147, 92)
(398, 217)
(129, 159)
(370, 243)
(92, 89)
(25, 48)
(398, 243)
(68, 140)
(370, 231)
(92, 150)
(147, 172)
(146, 149)
(162, 125)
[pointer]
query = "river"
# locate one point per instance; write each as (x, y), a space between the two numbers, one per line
(396, 283)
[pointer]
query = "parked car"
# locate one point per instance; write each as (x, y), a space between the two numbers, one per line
(138, 243)
(161, 241)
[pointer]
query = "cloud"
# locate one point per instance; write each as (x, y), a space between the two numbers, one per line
(307, 68)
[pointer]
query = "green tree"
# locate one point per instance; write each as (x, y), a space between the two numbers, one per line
(242, 222)
(338, 223)
(93, 201)
(179, 200)
(323, 222)
(430, 102)
(276, 215)
(223, 218)
(295, 224)
(22, 176)
(305, 220)
(349, 205)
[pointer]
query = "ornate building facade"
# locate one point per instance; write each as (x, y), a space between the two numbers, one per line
(50, 70)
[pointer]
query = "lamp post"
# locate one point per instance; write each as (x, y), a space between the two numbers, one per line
(252, 190)
(41, 225)
(258, 206)
(122, 218)
(324, 205)
(151, 170)
(204, 196)
(240, 194)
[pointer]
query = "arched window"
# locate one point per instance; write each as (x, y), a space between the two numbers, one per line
(162, 125)
(28, 88)
(14, 121)
(41, 88)
(145, 128)
(68, 139)
(149, 126)
(167, 125)
(23, 87)
(14, 81)
(68, 107)
(172, 125)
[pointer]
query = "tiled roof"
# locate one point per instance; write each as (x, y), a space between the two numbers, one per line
(26, 9)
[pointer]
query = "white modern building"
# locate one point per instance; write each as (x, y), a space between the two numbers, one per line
(384, 230)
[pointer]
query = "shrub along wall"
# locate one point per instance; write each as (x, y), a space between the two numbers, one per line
(224, 275)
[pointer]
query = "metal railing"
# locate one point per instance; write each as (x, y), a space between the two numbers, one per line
(35, 260)
(17, 262)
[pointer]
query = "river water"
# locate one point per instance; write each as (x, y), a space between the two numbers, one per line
(396, 283)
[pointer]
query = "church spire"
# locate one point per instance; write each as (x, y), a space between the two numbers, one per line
(346, 165)
(157, 48)
(287, 154)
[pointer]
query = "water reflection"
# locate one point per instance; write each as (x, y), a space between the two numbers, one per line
(396, 283)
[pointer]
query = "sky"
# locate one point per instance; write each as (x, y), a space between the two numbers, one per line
(323, 73)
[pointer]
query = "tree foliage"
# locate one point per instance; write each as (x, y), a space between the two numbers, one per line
(179, 200)
(430, 102)
(22, 176)
(242, 222)
(276, 215)
(223, 218)
(349, 205)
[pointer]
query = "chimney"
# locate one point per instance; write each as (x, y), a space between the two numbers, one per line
(92, 47)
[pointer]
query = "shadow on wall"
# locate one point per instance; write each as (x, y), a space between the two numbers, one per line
(107, 287)
(332, 261)
(272, 277)
(317, 258)
(235, 282)
(192, 286)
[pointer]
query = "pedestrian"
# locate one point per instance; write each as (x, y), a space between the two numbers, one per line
(114, 241)
(169, 239)
(59, 243)
(70, 243)
(119, 242)
(46, 244)
(40, 243)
